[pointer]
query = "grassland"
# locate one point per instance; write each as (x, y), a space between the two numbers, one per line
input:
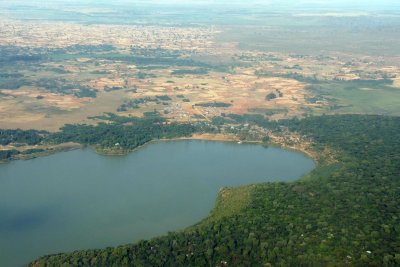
(355, 97)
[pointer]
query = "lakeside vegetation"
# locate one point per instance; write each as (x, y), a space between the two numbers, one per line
(113, 134)
(123, 133)
(291, 224)
(29, 137)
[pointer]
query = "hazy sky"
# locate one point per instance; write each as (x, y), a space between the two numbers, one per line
(295, 3)
(349, 4)
(316, 2)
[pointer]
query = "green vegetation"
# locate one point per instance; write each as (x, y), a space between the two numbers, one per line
(145, 58)
(214, 105)
(359, 96)
(85, 92)
(62, 86)
(89, 48)
(142, 75)
(58, 70)
(10, 59)
(33, 151)
(135, 103)
(230, 201)
(20, 138)
(256, 119)
(8, 154)
(101, 72)
(122, 133)
(199, 71)
(114, 88)
(163, 97)
(290, 75)
(117, 134)
(344, 213)
(355, 96)
(270, 111)
(270, 96)
(29, 137)
(12, 81)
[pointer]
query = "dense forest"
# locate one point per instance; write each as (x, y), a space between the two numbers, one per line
(344, 213)
(29, 137)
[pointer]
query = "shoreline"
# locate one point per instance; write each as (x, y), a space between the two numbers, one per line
(240, 193)
(275, 142)
(47, 151)
(225, 194)
(204, 137)
(217, 138)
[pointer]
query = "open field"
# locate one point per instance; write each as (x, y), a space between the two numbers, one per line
(53, 73)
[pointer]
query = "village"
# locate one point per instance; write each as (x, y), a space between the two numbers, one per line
(82, 71)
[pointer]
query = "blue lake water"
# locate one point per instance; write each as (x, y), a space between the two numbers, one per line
(79, 199)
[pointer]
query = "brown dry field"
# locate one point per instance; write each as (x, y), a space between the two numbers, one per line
(240, 87)
(244, 91)
(15, 113)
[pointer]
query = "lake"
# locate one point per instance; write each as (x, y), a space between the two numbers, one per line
(79, 199)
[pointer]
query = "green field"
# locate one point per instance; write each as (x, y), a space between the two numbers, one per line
(361, 97)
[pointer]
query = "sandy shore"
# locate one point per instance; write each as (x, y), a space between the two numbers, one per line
(209, 137)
